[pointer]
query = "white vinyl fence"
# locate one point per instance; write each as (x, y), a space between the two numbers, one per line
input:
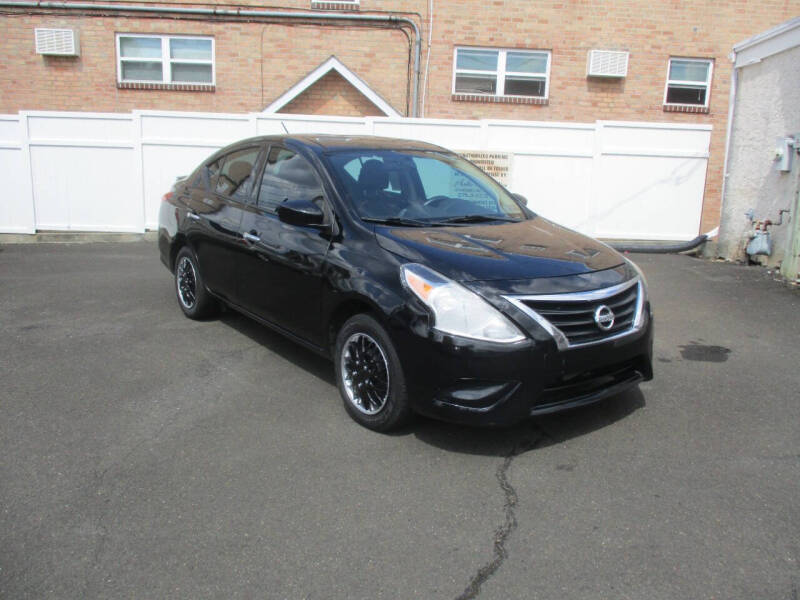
(67, 171)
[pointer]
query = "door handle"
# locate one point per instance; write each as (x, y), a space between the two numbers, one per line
(250, 237)
(193, 216)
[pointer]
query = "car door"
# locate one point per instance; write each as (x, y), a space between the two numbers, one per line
(281, 277)
(223, 189)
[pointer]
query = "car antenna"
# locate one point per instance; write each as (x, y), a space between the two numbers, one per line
(284, 127)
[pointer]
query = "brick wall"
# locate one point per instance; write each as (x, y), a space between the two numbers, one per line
(256, 62)
(332, 95)
(650, 31)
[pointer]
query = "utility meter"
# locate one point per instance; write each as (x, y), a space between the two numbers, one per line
(784, 149)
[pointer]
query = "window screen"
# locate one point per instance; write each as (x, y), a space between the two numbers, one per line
(165, 59)
(688, 81)
(501, 72)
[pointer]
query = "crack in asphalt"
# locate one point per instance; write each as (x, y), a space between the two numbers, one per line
(504, 531)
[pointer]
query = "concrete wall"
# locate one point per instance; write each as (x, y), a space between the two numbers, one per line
(767, 106)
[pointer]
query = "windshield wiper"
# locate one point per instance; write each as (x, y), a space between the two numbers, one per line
(477, 219)
(400, 221)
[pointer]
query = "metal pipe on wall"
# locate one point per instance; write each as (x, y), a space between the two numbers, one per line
(246, 13)
(729, 128)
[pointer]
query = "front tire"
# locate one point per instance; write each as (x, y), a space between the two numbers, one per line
(369, 375)
(193, 297)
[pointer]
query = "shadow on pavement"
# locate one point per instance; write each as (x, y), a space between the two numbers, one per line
(536, 433)
(299, 355)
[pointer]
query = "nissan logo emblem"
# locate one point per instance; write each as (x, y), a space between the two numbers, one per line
(604, 317)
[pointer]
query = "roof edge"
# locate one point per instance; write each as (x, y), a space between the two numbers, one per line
(332, 64)
(772, 41)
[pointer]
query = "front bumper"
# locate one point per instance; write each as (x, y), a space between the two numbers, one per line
(482, 383)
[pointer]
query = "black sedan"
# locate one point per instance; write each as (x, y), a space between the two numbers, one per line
(433, 289)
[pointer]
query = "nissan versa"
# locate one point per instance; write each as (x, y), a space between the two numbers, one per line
(433, 289)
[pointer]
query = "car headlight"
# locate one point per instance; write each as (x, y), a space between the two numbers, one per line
(636, 269)
(457, 310)
(641, 314)
(640, 273)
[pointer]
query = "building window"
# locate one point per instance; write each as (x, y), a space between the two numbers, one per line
(501, 73)
(165, 59)
(688, 83)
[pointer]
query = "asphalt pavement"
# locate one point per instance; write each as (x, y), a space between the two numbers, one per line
(144, 455)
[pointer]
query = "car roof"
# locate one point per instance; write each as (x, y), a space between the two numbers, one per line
(322, 142)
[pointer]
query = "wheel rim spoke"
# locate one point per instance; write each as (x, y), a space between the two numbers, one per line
(365, 373)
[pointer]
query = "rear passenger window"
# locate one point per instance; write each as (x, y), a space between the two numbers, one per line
(235, 179)
(287, 176)
(208, 174)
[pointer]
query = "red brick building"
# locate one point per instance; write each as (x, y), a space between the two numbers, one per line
(506, 59)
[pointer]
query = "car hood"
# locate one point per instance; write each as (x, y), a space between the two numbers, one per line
(525, 250)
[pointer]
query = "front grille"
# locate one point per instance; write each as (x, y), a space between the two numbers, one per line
(570, 317)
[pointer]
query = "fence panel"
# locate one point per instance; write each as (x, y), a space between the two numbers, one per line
(107, 172)
(461, 135)
(16, 199)
(83, 172)
(649, 181)
(556, 187)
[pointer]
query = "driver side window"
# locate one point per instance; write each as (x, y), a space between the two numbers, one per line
(287, 176)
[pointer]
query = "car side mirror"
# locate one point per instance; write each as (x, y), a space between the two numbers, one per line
(521, 198)
(300, 212)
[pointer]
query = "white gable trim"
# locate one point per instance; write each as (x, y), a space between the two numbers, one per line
(775, 40)
(332, 64)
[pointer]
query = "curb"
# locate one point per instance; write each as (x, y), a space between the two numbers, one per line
(77, 237)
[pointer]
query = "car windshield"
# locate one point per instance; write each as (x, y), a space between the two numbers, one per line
(421, 188)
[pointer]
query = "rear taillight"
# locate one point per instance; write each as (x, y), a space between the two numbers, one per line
(167, 197)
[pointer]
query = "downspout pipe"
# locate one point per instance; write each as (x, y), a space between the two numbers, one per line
(245, 13)
(729, 127)
(665, 248)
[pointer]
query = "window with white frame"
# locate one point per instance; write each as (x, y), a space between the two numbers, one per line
(496, 72)
(169, 59)
(688, 82)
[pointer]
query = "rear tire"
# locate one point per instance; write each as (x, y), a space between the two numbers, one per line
(369, 375)
(193, 297)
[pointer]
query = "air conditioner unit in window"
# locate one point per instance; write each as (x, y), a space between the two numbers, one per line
(607, 63)
(57, 42)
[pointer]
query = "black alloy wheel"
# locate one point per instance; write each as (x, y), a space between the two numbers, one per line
(369, 375)
(365, 373)
(187, 283)
(193, 298)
